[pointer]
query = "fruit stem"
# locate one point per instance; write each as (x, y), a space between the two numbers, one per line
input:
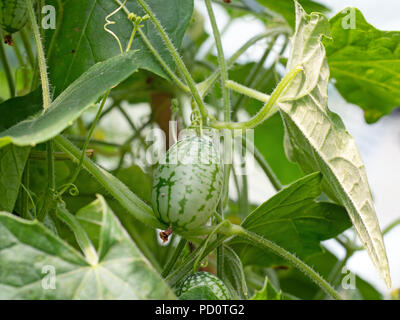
(236, 230)
(266, 111)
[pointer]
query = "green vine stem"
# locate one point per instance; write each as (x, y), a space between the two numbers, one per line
(292, 259)
(85, 145)
(177, 58)
(254, 72)
(266, 111)
(205, 85)
(174, 258)
(221, 62)
(7, 68)
(80, 234)
(244, 90)
(227, 118)
(41, 56)
(133, 204)
(160, 60)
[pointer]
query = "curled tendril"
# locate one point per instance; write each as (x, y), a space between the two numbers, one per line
(72, 189)
(109, 22)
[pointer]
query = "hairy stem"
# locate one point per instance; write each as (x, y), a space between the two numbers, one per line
(221, 62)
(132, 203)
(41, 56)
(246, 91)
(296, 262)
(266, 111)
(177, 58)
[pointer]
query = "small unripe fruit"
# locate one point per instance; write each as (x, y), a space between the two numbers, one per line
(187, 186)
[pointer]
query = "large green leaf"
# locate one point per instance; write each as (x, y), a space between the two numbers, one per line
(317, 140)
(85, 42)
(293, 220)
(27, 248)
(365, 62)
(72, 102)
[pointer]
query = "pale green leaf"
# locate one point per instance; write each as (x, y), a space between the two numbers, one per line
(317, 139)
(28, 249)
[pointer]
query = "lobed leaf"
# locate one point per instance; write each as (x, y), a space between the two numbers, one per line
(28, 249)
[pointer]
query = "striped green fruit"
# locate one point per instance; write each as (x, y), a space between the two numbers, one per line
(203, 286)
(187, 185)
(13, 15)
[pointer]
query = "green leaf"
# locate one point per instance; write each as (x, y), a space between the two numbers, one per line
(12, 164)
(293, 220)
(233, 275)
(268, 292)
(27, 248)
(286, 8)
(365, 62)
(18, 109)
(317, 140)
(85, 42)
(72, 102)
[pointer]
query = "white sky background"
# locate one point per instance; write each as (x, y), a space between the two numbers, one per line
(379, 144)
